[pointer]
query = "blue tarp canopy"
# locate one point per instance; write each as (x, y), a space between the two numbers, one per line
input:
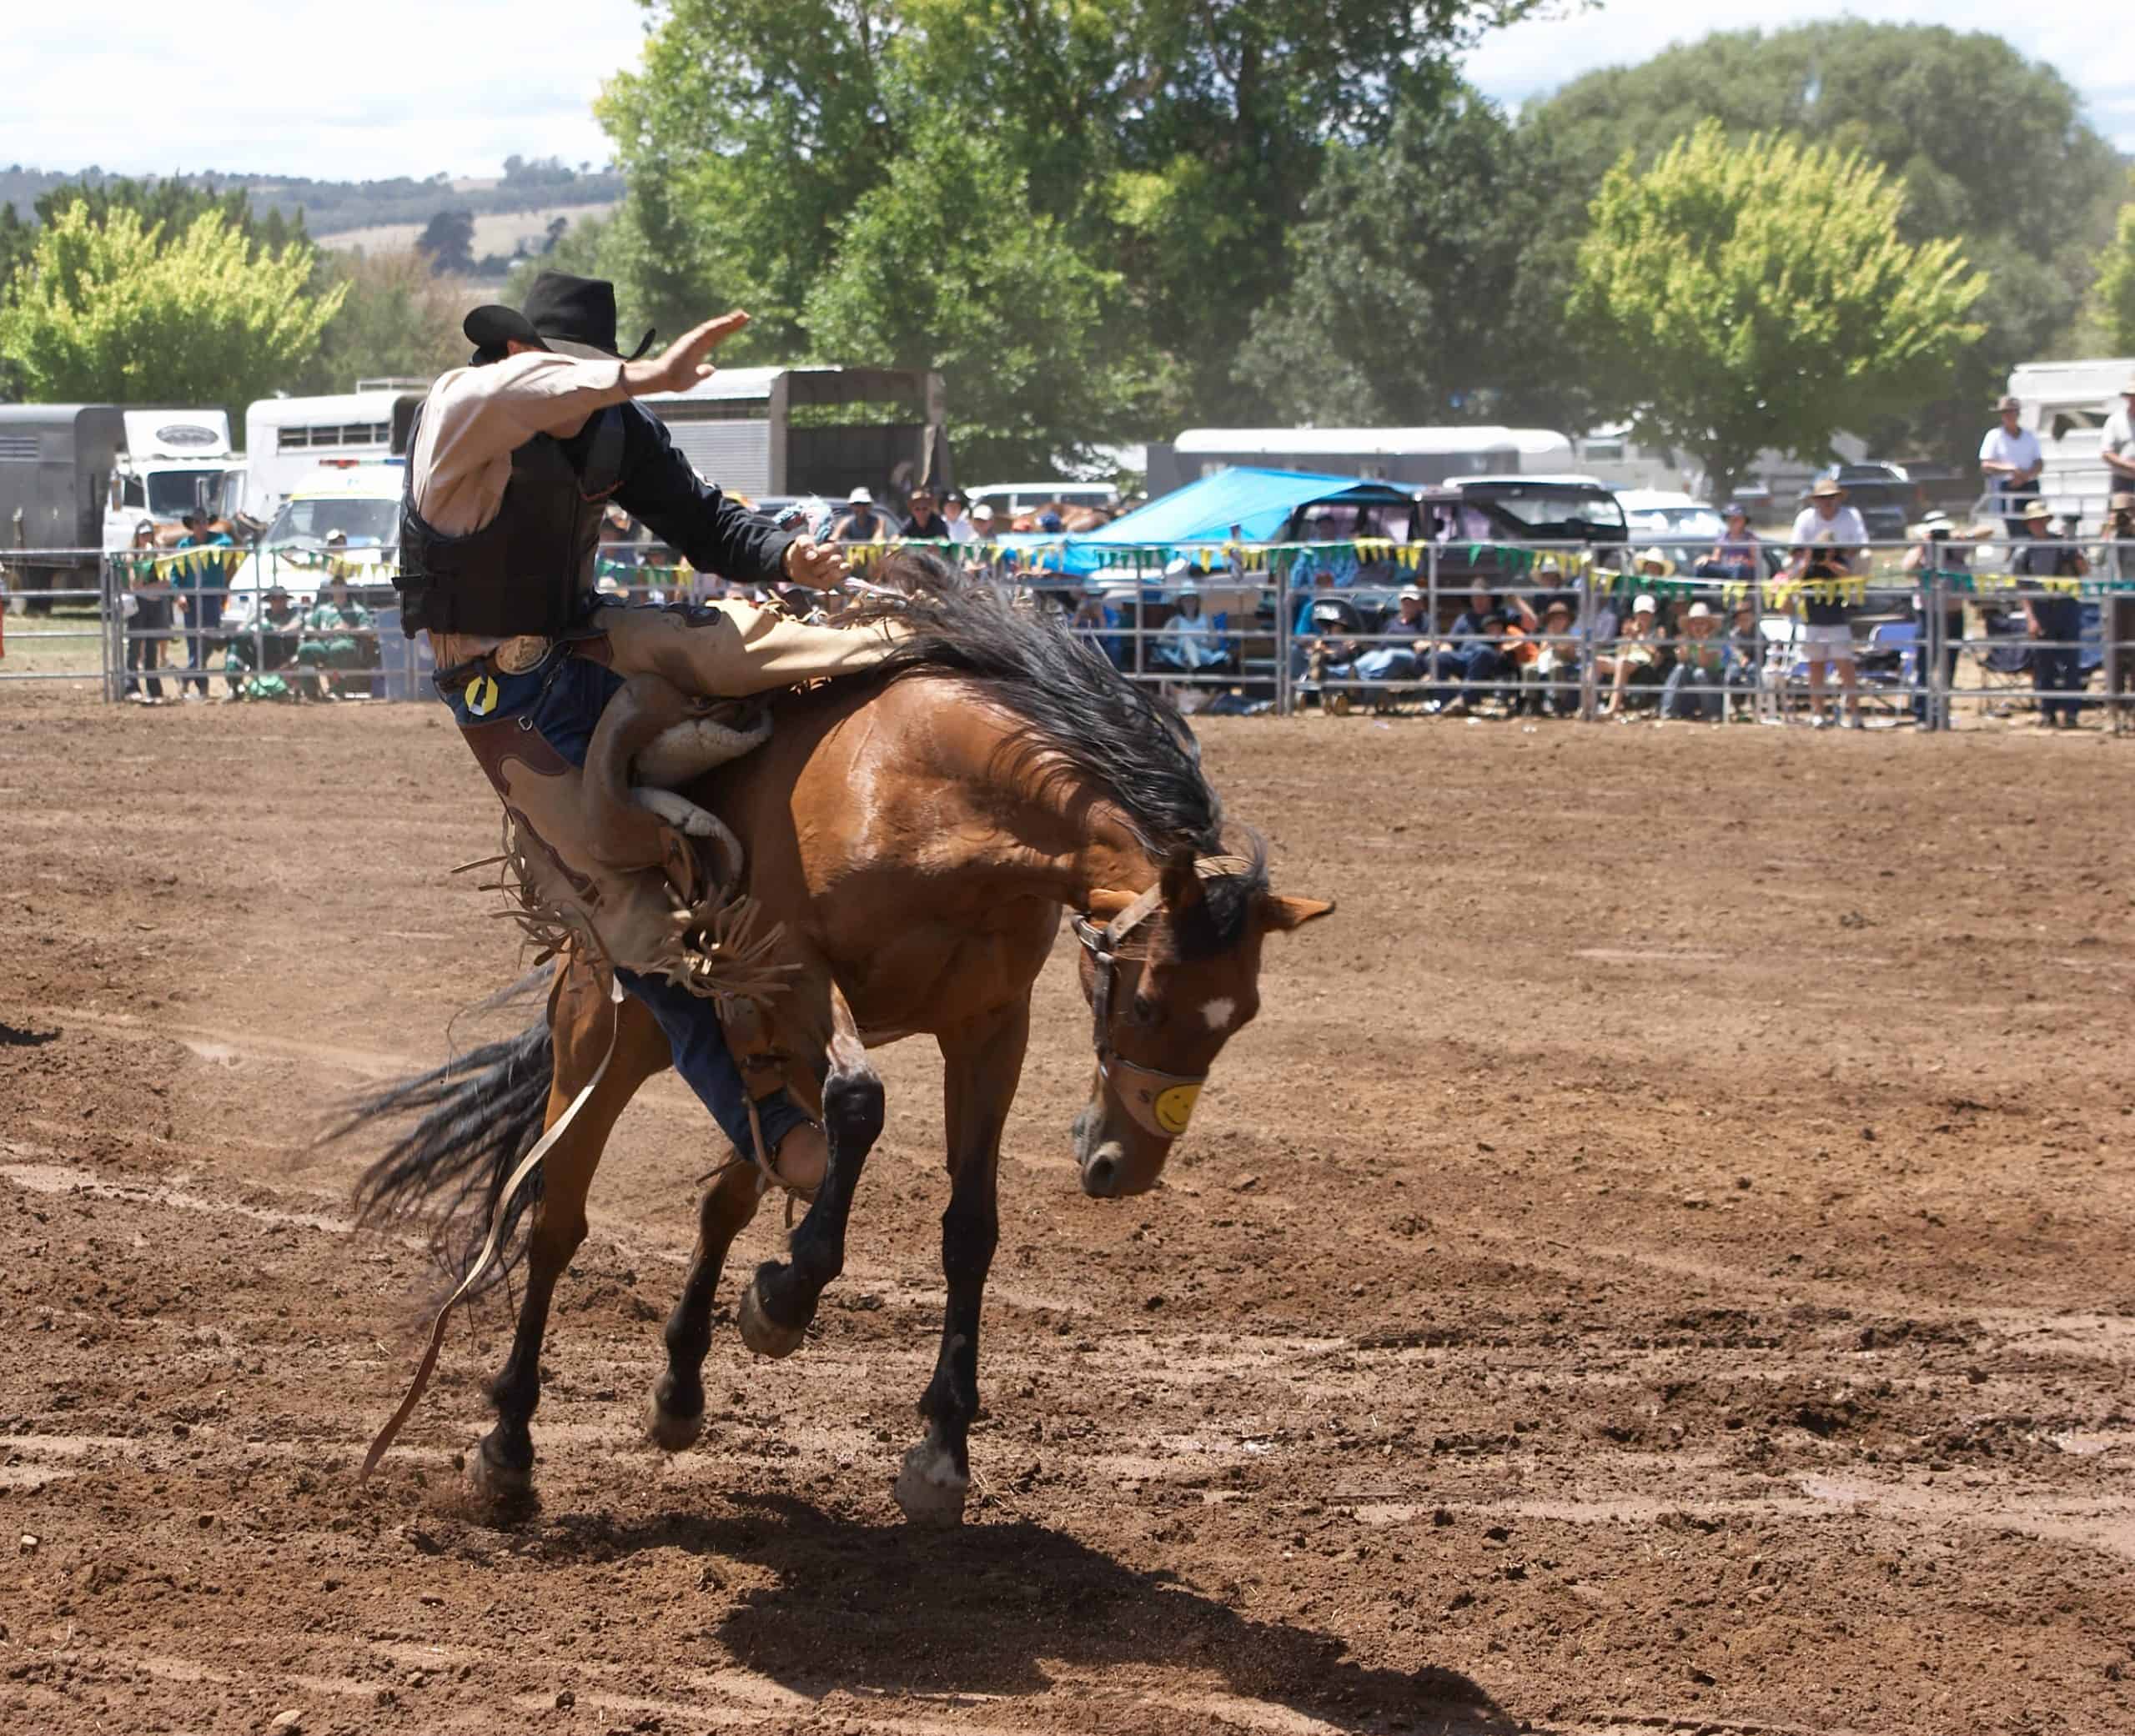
(1259, 501)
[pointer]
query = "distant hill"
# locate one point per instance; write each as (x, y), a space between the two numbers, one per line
(333, 208)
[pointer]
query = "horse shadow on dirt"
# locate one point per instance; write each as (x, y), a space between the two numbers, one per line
(875, 1607)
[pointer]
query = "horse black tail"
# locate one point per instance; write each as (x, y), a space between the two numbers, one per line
(479, 1114)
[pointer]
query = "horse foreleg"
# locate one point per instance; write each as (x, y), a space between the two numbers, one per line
(674, 1414)
(503, 1463)
(781, 1299)
(983, 1067)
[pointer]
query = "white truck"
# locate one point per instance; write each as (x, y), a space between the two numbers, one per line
(2066, 404)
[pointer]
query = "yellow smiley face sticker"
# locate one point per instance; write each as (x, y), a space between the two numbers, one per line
(1174, 1108)
(481, 696)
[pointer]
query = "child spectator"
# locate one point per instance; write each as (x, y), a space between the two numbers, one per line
(148, 625)
(1550, 680)
(1637, 655)
(255, 658)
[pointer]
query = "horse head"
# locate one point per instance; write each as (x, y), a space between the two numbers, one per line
(1171, 974)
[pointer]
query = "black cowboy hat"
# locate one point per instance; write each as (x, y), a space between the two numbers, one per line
(572, 316)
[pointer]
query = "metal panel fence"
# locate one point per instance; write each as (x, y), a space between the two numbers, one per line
(1528, 629)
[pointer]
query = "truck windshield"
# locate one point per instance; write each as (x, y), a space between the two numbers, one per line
(367, 524)
(172, 493)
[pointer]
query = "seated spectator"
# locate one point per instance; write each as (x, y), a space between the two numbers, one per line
(336, 637)
(1746, 650)
(1826, 633)
(1189, 641)
(1637, 657)
(1697, 685)
(1397, 662)
(1474, 657)
(985, 523)
(255, 656)
(1550, 587)
(1737, 554)
(2054, 618)
(1549, 680)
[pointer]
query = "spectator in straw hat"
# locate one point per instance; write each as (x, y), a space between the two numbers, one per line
(2010, 459)
(1697, 685)
(2116, 561)
(1826, 631)
(1827, 516)
(2053, 617)
(1550, 682)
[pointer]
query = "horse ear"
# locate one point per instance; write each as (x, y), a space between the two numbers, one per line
(1104, 902)
(1281, 915)
(1181, 881)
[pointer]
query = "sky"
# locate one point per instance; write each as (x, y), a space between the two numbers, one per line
(375, 88)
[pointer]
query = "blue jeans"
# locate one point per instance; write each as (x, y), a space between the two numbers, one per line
(1684, 695)
(1389, 663)
(563, 697)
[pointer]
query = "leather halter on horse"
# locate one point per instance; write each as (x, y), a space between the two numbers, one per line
(1162, 1103)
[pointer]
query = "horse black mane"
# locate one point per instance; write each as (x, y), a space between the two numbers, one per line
(1080, 718)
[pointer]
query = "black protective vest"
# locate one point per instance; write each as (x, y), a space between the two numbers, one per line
(526, 570)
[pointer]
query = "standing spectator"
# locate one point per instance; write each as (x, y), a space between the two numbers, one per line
(926, 525)
(1735, 555)
(334, 628)
(960, 529)
(1828, 518)
(2011, 461)
(1826, 636)
(2117, 560)
(149, 627)
(2116, 443)
(861, 523)
(201, 587)
(2053, 618)
(1937, 553)
(1698, 684)
(1396, 660)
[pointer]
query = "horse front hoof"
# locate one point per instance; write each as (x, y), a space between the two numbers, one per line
(930, 1489)
(668, 1432)
(762, 1334)
(494, 1485)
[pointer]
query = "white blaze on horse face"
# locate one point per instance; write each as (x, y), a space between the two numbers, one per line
(1217, 1012)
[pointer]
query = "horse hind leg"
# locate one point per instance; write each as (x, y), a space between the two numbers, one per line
(781, 1299)
(674, 1412)
(501, 1471)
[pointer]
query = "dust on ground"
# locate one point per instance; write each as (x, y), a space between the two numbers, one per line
(1661, 1260)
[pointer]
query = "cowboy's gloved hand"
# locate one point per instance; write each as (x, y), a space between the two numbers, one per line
(814, 565)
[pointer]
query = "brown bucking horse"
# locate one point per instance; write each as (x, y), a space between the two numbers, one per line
(918, 830)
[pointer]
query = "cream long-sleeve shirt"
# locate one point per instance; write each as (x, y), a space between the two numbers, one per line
(476, 417)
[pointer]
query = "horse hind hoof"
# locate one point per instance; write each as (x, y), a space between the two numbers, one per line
(762, 1334)
(670, 1432)
(930, 1489)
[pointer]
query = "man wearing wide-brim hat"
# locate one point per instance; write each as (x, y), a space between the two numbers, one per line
(1828, 516)
(2053, 616)
(2010, 460)
(514, 464)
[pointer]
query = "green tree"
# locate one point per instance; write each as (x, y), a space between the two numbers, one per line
(1013, 318)
(110, 311)
(396, 318)
(1740, 297)
(1168, 147)
(1399, 277)
(1984, 143)
(448, 241)
(2113, 298)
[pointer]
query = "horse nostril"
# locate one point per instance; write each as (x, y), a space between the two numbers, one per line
(1099, 1176)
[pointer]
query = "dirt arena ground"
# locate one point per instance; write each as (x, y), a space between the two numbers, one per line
(1662, 1261)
